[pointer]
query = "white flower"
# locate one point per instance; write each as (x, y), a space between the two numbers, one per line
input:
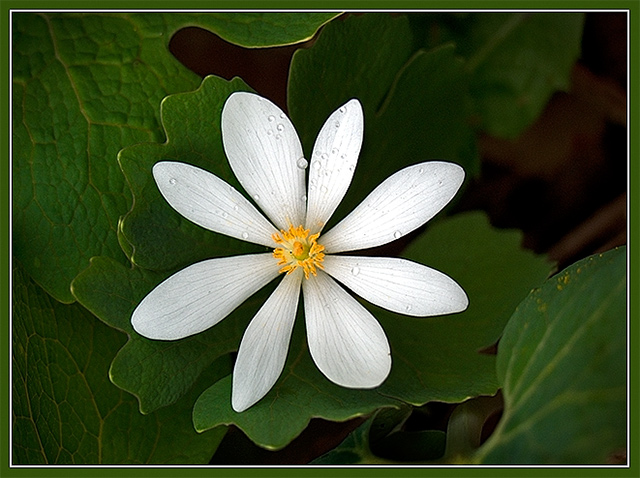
(346, 342)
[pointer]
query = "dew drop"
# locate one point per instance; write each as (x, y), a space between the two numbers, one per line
(355, 270)
(421, 170)
(256, 197)
(337, 124)
(303, 198)
(278, 136)
(343, 109)
(407, 308)
(397, 235)
(324, 189)
(327, 172)
(280, 127)
(334, 151)
(271, 118)
(269, 132)
(172, 181)
(245, 235)
(316, 165)
(225, 214)
(324, 156)
(283, 116)
(236, 207)
(302, 163)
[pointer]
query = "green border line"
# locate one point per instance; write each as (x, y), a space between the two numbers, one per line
(633, 8)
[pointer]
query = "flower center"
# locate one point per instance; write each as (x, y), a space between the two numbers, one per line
(298, 249)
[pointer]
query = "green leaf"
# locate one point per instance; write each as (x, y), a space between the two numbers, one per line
(65, 410)
(439, 358)
(157, 372)
(398, 447)
(85, 86)
(158, 237)
(354, 450)
(248, 29)
(517, 61)
(562, 365)
(416, 104)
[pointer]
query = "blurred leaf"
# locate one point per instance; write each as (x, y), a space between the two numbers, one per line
(399, 447)
(85, 86)
(517, 61)
(465, 427)
(354, 450)
(65, 410)
(562, 364)
(416, 104)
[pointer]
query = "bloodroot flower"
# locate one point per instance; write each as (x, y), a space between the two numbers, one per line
(346, 342)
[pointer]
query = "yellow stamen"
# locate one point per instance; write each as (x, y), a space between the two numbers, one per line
(298, 249)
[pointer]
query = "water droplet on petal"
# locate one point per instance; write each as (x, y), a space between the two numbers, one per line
(355, 270)
(337, 124)
(278, 136)
(397, 235)
(334, 151)
(245, 235)
(236, 207)
(172, 181)
(283, 116)
(271, 118)
(280, 127)
(324, 156)
(324, 189)
(316, 165)
(302, 163)
(303, 198)
(421, 170)
(225, 214)
(407, 308)
(256, 197)
(269, 132)
(343, 109)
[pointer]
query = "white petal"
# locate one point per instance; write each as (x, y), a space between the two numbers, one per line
(333, 161)
(398, 285)
(264, 151)
(402, 203)
(264, 346)
(210, 202)
(345, 341)
(201, 295)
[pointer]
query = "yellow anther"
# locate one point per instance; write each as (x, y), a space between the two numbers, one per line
(298, 249)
